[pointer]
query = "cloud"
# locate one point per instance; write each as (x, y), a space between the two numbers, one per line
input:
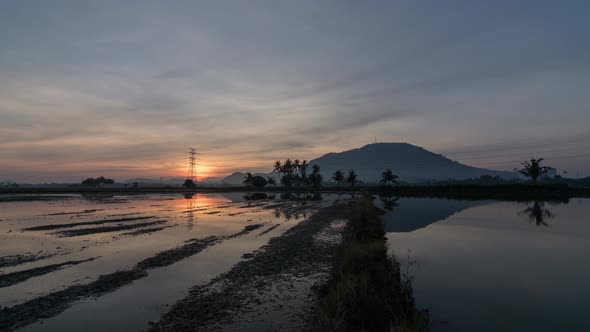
(132, 88)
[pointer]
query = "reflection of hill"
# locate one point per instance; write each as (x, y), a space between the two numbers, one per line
(415, 213)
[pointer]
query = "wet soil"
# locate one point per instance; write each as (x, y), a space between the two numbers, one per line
(18, 316)
(245, 290)
(97, 230)
(86, 223)
(20, 276)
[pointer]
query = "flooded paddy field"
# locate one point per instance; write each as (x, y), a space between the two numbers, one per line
(235, 261)
(493, 265)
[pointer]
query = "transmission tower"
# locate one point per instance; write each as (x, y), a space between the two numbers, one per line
(192, 165)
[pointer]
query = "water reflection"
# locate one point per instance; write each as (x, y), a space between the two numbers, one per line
(487, 268)
(305, 196)
(191, 204)
(538, 213)
(389, 201)
(257, 196)
(411, 214)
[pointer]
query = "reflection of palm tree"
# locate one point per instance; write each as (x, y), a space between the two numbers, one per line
(538, 213)
(389, 202)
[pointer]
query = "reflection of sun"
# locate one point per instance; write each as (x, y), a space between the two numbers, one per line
(198, 201)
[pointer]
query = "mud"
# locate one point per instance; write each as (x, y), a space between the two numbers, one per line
(86, 223)
(20, 276)
(18, 316)
(97, 230)
(296, 256)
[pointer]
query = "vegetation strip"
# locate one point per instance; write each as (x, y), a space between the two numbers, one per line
(18, 316)
(86, 223)
(96, 230)
(20, 276)
(294, 254)
(366, 291)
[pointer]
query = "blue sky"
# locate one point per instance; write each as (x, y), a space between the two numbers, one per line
(122, 88)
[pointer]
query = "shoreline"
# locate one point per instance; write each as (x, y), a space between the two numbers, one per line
(519, 192)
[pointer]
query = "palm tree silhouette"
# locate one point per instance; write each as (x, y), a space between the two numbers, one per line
(388, 178)
(533, 169)
(277, 167)
(271, 181)
(538, 213)
(303, 172)
(338, 177)
(315, 178)
(248, 179)
(351, 177)
(287, 170)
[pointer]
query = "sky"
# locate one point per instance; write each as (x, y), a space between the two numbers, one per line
(124, 88)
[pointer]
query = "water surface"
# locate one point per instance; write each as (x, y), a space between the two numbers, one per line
(496, 266)
(103, 234)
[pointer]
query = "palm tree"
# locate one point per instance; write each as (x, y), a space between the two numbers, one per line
(287, 170)
(248, 179)
(351, 177)
(533, 169)
(303, 172)
(338, 177)
(315, 178)
(388, 178)
(271, 181)
(277, 167)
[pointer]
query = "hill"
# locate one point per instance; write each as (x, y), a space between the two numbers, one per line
(412, 164)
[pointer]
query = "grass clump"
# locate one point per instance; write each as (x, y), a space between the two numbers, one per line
(366, 291)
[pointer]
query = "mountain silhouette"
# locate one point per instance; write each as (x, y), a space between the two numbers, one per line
(412, 164)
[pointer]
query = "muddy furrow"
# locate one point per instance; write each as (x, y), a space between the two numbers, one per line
(145, 231)
(18, 316)
(109, 229)
(14, 260)
(270, 229)
(75, 212)
(14, 278)
(86, 223)
(295, 254)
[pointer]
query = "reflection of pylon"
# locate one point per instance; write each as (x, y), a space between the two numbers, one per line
(191, 204)
(192, 165)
